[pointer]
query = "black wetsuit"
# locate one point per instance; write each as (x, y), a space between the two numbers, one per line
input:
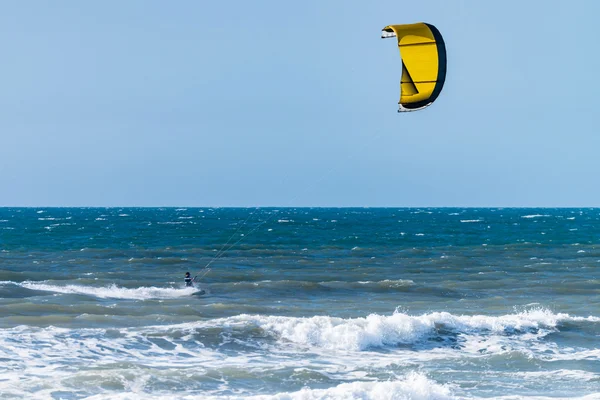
(188, 281)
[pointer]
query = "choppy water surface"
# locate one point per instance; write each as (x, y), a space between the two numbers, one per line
(300, 303)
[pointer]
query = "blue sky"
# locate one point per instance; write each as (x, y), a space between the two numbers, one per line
(280, 103)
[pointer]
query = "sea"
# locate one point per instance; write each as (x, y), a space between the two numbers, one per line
(300, 303)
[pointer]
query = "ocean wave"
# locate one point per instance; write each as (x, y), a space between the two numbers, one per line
(388, 283)
(113, 291)
(145, 359)
(379, 331)
(414, 386)
(593, 396)
(564, 374)
(535, 216)
(277, 286)
(376, 331)
(7, 276)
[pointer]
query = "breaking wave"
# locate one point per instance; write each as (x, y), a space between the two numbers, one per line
(113, 291)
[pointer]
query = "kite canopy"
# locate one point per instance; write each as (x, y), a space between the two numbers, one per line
(423, 55)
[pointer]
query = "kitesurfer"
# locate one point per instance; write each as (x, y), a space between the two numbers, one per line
(188, 280)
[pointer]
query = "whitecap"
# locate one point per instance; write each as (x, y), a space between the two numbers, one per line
(113, 291)
(376, 331)
(415, 386)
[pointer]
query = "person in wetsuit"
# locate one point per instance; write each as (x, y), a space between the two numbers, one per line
(188, 280)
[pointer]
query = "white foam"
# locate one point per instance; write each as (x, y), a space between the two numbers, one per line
(414, 386)
(594, 396)
(376, 331)
(566, 374)
(388, 282)
(535, 216)
(470, 220)
(27, 368)
(345, 391)
(27, 373)
(114, 291)
(570, 354)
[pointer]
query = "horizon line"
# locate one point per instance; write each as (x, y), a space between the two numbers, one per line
(303, 206)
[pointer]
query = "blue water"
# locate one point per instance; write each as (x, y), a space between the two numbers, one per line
(299, 303)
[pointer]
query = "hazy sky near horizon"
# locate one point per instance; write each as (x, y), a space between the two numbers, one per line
(280, 103)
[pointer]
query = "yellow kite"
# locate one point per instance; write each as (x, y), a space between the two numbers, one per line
(423, 55)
